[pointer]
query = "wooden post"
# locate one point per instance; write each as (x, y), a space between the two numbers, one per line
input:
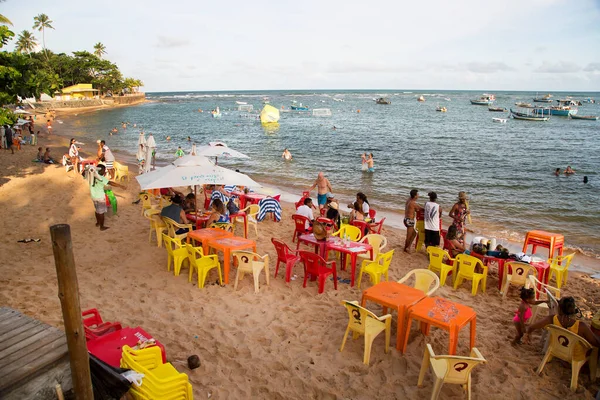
(68, 293)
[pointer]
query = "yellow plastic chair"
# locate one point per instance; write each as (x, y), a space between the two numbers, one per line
(202, 264)
(377, 241)
(449, 369)
(543, 292)
(173, 226)
(161, 381)
(424, 279)
(121, 171)
(251, 263)
(560, 272)
(466, 266)
(519, 275)
(352, 232)
(176, 253)
(420, 228)
(251, 213)
(437, 264)
(376, 269)
(363, 322)
(146, 199)
(571, 348)
(164, 201)
(157, 225)
(226, 226)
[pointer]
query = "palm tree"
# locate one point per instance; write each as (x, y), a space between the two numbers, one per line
(41, 23)
(99, 49)
(26, 42)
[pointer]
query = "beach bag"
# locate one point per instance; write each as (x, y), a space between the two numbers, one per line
(232, 207)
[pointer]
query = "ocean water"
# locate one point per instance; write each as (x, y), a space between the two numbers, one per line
(507, 169)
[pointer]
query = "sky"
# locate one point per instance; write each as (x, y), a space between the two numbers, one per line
(536, 45)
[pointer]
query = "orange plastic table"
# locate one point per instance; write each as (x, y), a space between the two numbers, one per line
(549, 240)
(443, 314)
(229, 244)
(206, 234)
(397, 296)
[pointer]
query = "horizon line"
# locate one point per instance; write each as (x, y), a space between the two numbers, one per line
(374, 89)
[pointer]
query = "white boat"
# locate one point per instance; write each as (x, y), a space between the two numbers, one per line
(499, 120)
(421, 99)
(240, 102)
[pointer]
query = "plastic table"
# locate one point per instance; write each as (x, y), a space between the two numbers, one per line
(443, 314)
(206, 234)
(200, 220)
(335, 244)
(549, 240)
(487, 260)
(227, 245)
(397, 296)
(240, 214)
(108, 347)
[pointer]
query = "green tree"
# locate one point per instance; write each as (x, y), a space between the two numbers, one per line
(132, 85)
(99, 49)
(41, 23)
(26, 42)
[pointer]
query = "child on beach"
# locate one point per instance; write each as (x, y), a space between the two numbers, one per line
(523, 314)
(179, 153)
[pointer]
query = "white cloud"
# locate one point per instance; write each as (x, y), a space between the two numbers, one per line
(592, 67)
(561, 67)
(168, 42)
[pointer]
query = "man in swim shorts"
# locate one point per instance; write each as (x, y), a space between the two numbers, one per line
(370, 163)
(410, 211)
(323, 187)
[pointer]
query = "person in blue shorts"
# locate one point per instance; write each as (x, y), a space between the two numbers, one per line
(323, 188)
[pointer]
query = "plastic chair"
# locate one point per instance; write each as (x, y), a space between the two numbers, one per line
(146, 199)
(251, 212)
(378, 242)
(376, 227)
(377, 268)
(424, 279)
(517, 274)
(352, 232)
(363, 322)
(301, 226)
(176, 252)
(94, 326)
(173, 227)
(121, 171)
(328, 222)
(226, 226)
(372, 214)
(251, 263)
(362, 225)
(207, 198)
(560, 272)
(157, 225)
(466, 266)
(161, 381)
(202, 264)
(436, 263)
(316, 266)
(284, 255)
(571, 348)
(543, 291)
(449, 369)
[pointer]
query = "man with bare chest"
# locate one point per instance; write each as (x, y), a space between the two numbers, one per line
(323, 187)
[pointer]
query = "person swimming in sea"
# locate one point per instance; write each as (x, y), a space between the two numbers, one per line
(189, 139)
(557, 172)
(168, 138)
(569, 171)
(286, 155)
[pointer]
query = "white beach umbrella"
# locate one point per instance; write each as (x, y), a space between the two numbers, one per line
(142, 139)
(141, 151)
(150, 147)
(218, 149)
(191, 171)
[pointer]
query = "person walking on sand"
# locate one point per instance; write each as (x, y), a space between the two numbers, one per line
(410, 213)
(363, 158)
(49, 127)
(286, 155)
(323, 187)
(98, 196)
(370, 163)
(432, 214)
(459, 213)
(109, 158)
(74, 156)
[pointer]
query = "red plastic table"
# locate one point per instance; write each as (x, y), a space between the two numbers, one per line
(200, 220)
(108, 347)
(443, 314)
(397, 296)
(487, 260)
(549, 240)
(335, 244)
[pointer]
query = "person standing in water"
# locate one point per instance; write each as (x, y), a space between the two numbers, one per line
(410, 212)
(370, 163)
(569, 171)
(286, 155)
(364, 161)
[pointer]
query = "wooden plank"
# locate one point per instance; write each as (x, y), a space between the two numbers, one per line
(17, 323)
(22, 336)
(11, 319)
(42, 385)
(5, 310)
(34, 362)
(31, 344)
(20, 329)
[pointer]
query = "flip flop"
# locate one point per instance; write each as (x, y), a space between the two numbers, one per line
(28, 240)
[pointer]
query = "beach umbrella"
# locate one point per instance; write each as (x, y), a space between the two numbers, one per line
(218, 149)
(150, 150)
(19, 111)
(141, 151)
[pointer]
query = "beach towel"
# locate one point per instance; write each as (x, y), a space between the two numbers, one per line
(218, 195)
(269, 205)
(229, 188)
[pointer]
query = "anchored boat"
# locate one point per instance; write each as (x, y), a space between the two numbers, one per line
(544, 99)
(527, 116)
(484, 100)
(382, 100)
(497, 109)
(585, 117)
(298, 107)
(561, 111)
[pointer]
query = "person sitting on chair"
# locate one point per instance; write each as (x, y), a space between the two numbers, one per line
(306, 210)
(455, 245)
(175, 212)
(219, 213)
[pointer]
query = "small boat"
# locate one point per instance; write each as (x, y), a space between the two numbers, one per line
(484, 100)
(241, 102)
(497, 109)
(563, 111)
(298, 107)
(527, 116)
(544, 99)
(382, 100)
(441, 109)
(500, 120)
(524, 105)
(585, 117)
(568, 101)
(421, 99)
(589, 100)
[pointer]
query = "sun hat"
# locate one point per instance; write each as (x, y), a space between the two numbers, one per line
(319, 230)
(333, 205)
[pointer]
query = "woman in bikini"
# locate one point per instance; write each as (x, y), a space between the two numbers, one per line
(459, 213)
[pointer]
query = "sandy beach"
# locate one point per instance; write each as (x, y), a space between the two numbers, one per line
(282, 343)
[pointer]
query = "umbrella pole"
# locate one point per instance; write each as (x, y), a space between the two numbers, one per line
(195, 200)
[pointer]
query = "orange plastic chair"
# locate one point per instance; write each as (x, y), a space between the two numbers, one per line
(436, 263)
(517, 273)
(202, 264)
(449, 369)
(251, 263)
(559, 269)
(571, 348)
(466, 266)
(176, 253)
(317, 267)
(363, 322)
(301, 223)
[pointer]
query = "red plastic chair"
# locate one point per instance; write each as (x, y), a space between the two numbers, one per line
(362, 225)
(94, 326)
(207, 197)
(301, 201)
(323, 211)
(372, 214)
(376, 227)
(316, 266)
(329, 223)
(285, 255)
(300, 221)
